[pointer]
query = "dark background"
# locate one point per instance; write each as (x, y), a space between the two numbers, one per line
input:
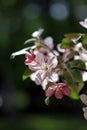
(22, 102)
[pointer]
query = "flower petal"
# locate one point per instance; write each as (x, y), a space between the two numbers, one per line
(40, 58)
(44, 83)
(85, 115)
(66, 91)
(34, 66)
(58, 94)
(84, 23)
(49, 42)
(37, 33)
(84, 76)
(50, 91)
(83, 98)
(52, 61)
(53, 77)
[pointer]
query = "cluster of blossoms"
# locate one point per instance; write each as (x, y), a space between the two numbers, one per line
(62, 71)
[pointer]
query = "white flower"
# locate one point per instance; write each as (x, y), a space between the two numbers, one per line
(44, 70)
(83, 98)
(84, 23)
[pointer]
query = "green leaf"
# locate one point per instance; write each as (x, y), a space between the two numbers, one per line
(78, 64)
(67, 43)
(77, 77)
(73, 79)
(74, 95)
(26, 74)
(47, 100)
(74, 36)
(84, 41)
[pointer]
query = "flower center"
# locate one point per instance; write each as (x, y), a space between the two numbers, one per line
(45, 67)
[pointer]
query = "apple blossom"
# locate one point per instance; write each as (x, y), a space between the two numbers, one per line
(44, 70)
(47, 67)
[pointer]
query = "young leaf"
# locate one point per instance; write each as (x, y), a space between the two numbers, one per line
(74, 36)
(26, 74)
(47, 101)
(73, 79)
(67, 43)
(70, 81)
(78, 64)
(84, 41)
(77, 77)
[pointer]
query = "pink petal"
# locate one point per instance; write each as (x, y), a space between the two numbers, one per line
(29, 58)
(58, 94)
(66, 91)
(50, 91)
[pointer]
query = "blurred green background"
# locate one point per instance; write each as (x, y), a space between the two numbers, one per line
(22, 102)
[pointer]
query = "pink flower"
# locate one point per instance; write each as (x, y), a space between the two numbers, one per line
(58, 90)
(84, 23)
(44, 70)
(29, 57)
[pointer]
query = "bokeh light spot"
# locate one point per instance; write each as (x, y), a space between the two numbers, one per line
(59, 11)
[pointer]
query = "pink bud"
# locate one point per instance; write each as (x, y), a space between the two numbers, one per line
(29, 57)
(58, 90)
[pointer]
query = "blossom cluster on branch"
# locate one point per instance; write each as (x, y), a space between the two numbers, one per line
(61, 72)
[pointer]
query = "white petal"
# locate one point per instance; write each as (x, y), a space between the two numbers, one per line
(33, 76)
(52, 62)
(84, 76)
(37, 33)
(21, 52)
(40, 58)
(34, 66)
(40, 77)
(83, 98)
(60, 49)
(54, 77)
(49, 42)
(85, 115)
(84, 23)
(44, 83)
